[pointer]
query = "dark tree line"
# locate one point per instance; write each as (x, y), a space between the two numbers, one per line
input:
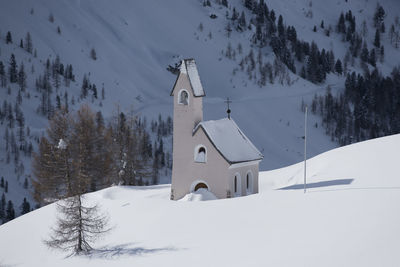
(368, 108)
(289, 50)
(7, 208)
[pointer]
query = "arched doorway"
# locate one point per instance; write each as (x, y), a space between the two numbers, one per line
(200, 185)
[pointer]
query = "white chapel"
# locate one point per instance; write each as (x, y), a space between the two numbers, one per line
(216, 154)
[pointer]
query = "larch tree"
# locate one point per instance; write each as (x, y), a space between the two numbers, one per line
(75, 159)
(78, 227)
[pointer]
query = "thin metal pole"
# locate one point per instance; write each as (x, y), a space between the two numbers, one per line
(305, 150)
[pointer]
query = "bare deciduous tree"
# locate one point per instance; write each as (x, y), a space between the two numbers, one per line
(78, 226)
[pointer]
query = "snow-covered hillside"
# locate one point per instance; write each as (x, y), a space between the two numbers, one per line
(348, 217)
(135, 41)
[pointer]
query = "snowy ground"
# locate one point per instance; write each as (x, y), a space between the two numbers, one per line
(348, 217)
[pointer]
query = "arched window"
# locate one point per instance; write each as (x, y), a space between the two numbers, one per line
(183, 97)
(200, 154)
(237, 188)
(249, 182)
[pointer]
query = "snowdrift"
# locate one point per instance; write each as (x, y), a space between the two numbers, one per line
(348, 217)
(200, 195)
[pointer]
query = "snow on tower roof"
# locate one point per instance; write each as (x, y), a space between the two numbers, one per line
(229, 140)
(188, 66)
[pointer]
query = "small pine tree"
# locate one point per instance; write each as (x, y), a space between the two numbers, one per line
(372, 58)
(382, 53)
(377, 40)
(8, 38)
(22, 78)
(28, 43)
(3, 76)
(58, 102)
(3, 207)
(242, 20)
(25, 206)
(10, 212)
(12, 70)
(51, 18)
(338, 67)
(85, 86)
(93, 54)
(364, 53)
(379, 15)
(94, 90)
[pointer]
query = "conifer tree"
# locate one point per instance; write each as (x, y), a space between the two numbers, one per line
(85, 86)
(341, 27)
(10, 212)
(372, 58)
(25, 206)
(242, 20)
(377, 40)
(364, 53)
(338, 67)
(28, 43)
(3, 77)
(3, 208)
(12, 69)
(379, 15)
(22, 78)
(8, 38)
(93, 54)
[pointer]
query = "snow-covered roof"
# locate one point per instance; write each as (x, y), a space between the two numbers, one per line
(188, 66)
(229, 140)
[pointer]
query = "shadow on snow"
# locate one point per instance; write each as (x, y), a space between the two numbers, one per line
(318, 184)
(112, 252)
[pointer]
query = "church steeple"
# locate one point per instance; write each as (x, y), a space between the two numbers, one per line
(188, 93)
(188, 113)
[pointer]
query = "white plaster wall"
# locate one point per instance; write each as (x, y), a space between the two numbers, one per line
(185, 119)
(242, 169)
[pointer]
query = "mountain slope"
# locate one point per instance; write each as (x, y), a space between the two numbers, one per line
(135, 41)
(336, 223)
